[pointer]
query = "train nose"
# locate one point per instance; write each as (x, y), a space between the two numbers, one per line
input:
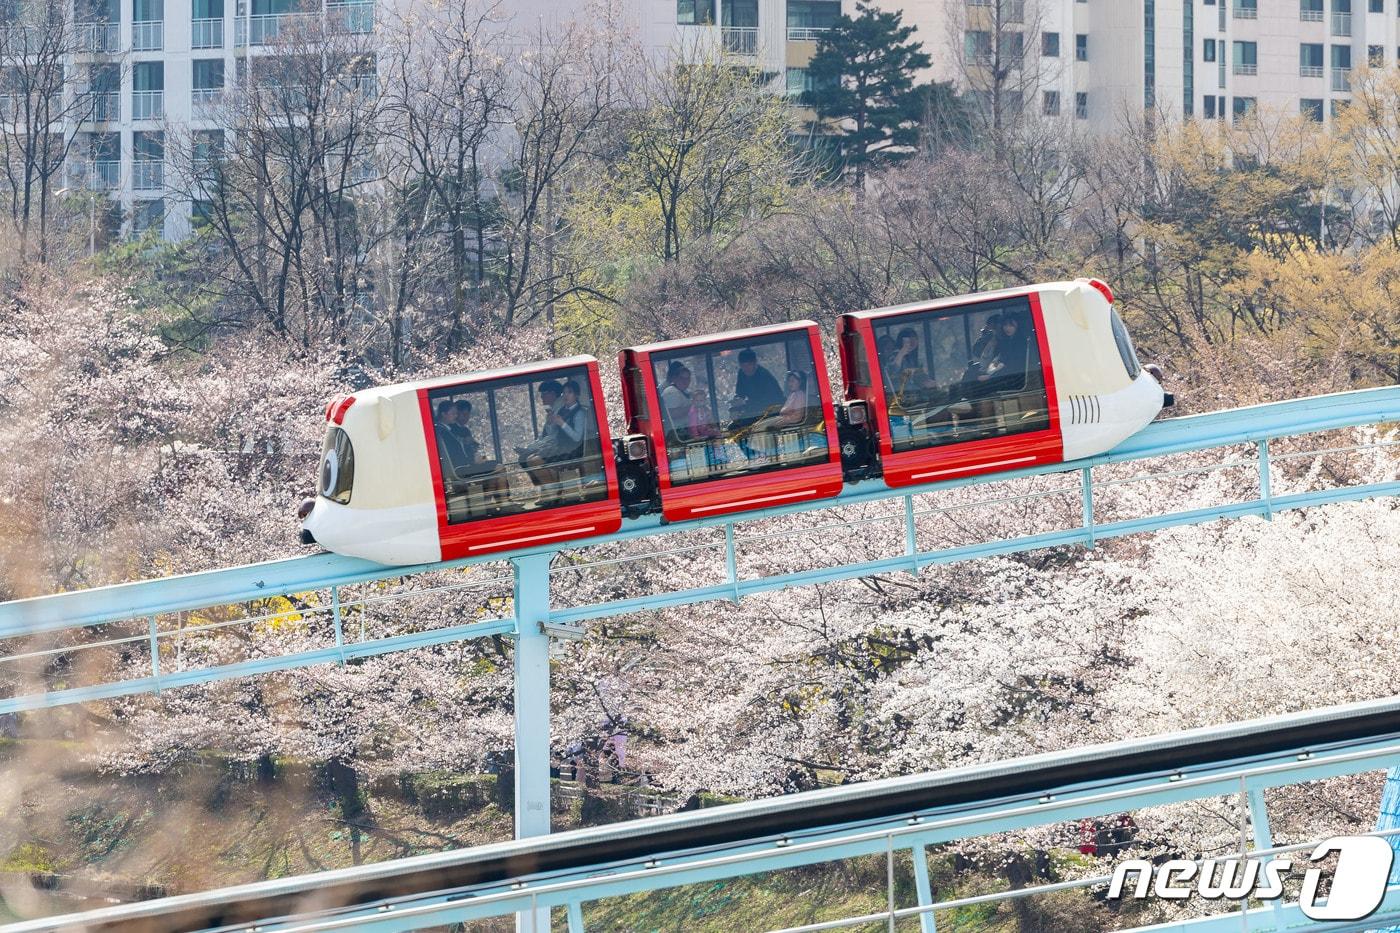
(1155, 371)
(304, 510)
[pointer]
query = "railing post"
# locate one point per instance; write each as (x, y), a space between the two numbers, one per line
(575, 917)
(731, 564)
(928, 923)
(1263, 839)
(911, 543)
(339, 633)
(531, 712)
(155, 653)
(1265, 481)
(1086, 495)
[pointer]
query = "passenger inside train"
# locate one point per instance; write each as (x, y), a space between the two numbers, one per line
(943, 385)
(725, 414)
(549, 423)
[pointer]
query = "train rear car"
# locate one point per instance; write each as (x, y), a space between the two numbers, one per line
(469, 465)
(998, 381)
(730, 422)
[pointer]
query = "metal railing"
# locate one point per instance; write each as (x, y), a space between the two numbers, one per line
(205, 98)
(104, 175)
(148, 105)
(353, 17)
(1310, 16)
(207, 33)
(740, 40)
(1310, 71)
(1245, 12)
(101, 106)
(1341, 24)
(1341, 79)
(147, 175)
(806, 33)
(99, 37)
(1246, 68)
(148, 36)
(266, 27)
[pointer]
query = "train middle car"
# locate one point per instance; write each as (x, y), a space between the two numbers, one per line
(726, 423)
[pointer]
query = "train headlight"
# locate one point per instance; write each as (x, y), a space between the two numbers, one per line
(337, 467)
(637, 448)
(856, 413)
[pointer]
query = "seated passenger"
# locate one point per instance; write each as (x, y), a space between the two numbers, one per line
(701, 420)
(474, 465)
(999, 364)
(794, 410)
(676, 400)
(907, 384)
(756, 392)
(451, 454)
(561, 440)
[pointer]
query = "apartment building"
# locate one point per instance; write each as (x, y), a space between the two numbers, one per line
(150, 70)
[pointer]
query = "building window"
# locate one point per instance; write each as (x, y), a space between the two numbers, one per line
(808, 19)
(977, 47)
(695, 12)
(1050, 103)
(1220, 106)
(1310, 58)
(1081, 105)
(1246, 58)
(1081, 47)
(1246, 9)
(1208, 111)
(148, 215)
(1050, 44)
(1310, 11)
(1208, 50)
(1310, 108)
(1339, 107)
(1375, 55)
(1244, 106)
(1377, 6)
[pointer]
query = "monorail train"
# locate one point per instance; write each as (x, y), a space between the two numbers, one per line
(523, 457)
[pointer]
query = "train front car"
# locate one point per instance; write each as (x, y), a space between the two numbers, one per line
(471, 465)
(997, 381)
(730, 422)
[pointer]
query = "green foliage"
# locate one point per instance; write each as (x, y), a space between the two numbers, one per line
(863, 72)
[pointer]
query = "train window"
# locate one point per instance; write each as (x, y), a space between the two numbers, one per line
(518, 444)
(959, 374)
(337, 466)
(1125, 345)
(741, 407)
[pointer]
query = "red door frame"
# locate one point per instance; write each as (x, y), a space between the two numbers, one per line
(952, 461)
(524, 530)
(734, 493)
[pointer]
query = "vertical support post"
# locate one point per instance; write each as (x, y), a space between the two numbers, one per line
(531, 712)
(575, 917)
(911, 543)
(928, 922)
(1265, 480)
(155, 652)
(1263, 839)
(731, 561)
(339, 632)
(889, 878)
(1086, 494)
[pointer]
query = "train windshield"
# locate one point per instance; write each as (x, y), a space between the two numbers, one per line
(741, 407)
(518, 444)
(959, 374)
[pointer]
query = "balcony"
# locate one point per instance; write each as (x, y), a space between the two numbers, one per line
(206, 34)
(148, 36)
(1246, 68)
(1310, 16)
(1341, 79)
(99, 37)
(740, 40)
(1310, 71)
(806, 33)
(1341, 24)
(205, 99)
(95, 176)
(265, 28)
(1245, 12)
(101, 107)
(354, 17)
(147, 175)
(148, 105)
